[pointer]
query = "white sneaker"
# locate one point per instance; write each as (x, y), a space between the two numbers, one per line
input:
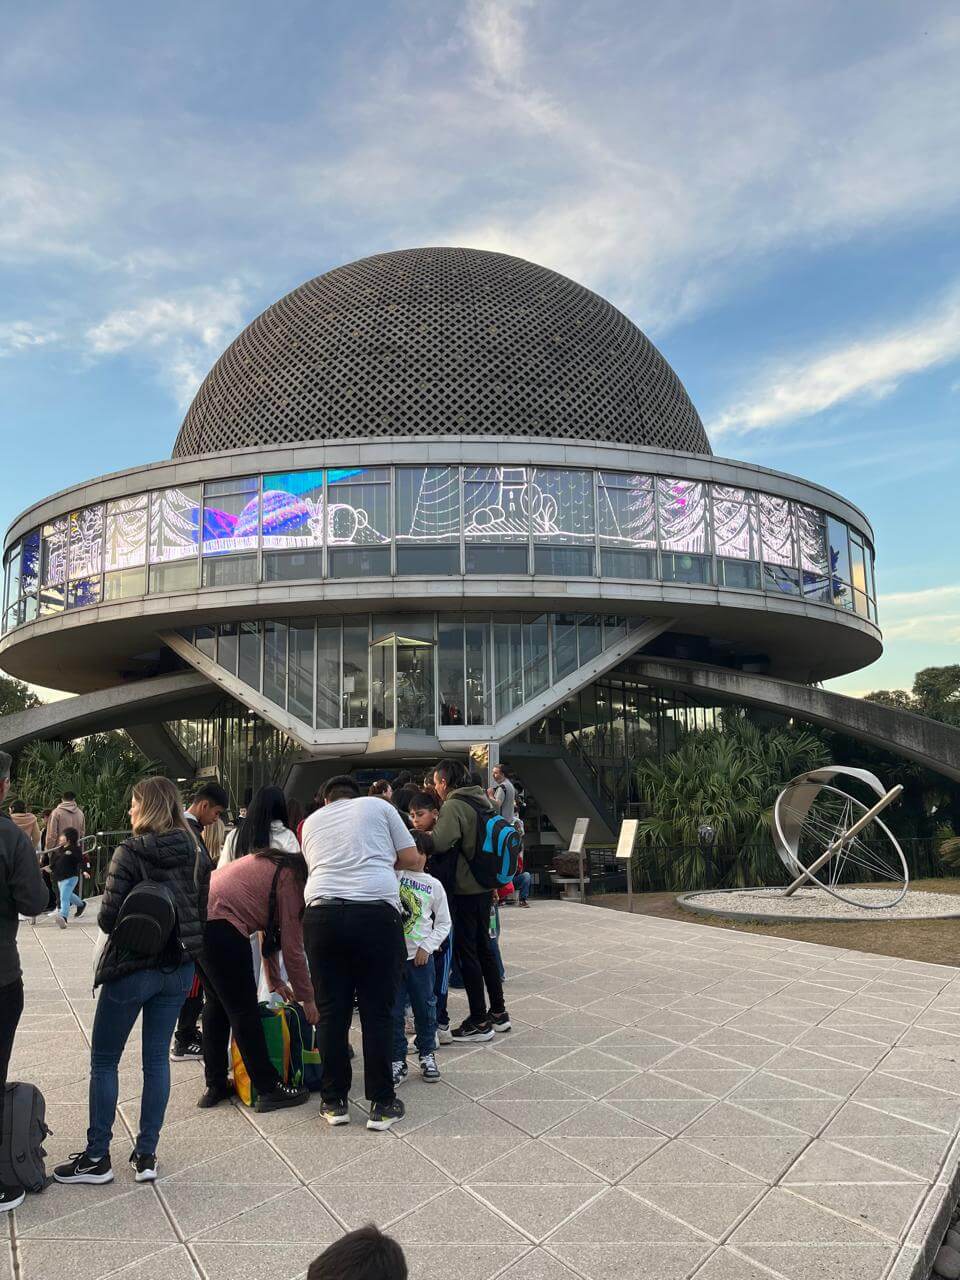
(444, 1035)
(61, 923)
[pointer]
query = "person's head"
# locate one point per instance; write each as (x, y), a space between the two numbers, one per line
(155, 807)
(17, 806)
(500, 773)
(403, 779)
(423, 811)
(6, 762)
(268, 805)
(448, 776)
(381, 788)
(46, 814)
(365, 1254)
(69, 796)
(403, 795)
(209, 803)
(70, 838)
(342, 787)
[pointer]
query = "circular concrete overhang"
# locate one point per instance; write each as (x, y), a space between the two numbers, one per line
(96, 645)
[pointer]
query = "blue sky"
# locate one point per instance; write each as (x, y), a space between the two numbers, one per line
(769, 190)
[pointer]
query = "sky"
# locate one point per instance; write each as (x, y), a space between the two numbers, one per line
(768, 188)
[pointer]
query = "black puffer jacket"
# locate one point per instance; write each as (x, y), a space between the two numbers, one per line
(173, 859)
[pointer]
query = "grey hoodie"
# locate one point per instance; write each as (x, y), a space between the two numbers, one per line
(67, 814)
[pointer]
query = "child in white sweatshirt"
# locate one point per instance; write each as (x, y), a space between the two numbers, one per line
(426, 922)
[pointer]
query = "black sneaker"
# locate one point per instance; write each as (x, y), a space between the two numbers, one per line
(429, 1071)
(186, 1051)
(81, 1168)
(400, 1072)
(213, 1094)
(500, 1021)
(284, 1095)
(11, 1198)
(384, 1114)
(145, 1167)
(336, 1112)
(470, 1030)
(81, 909)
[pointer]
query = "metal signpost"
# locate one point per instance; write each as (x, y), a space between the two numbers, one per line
(625, 847)
(577, 840)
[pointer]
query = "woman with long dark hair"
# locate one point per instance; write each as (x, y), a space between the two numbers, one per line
(161, 851)
(266, 825)
(239, 906)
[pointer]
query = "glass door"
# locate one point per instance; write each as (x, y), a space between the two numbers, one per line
(402, 689)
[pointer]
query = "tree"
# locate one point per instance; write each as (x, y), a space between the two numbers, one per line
(727, 779)
(15, 696)
(101, 770)
(935, 693)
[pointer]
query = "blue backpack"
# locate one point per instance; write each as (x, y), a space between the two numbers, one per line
(498, 847)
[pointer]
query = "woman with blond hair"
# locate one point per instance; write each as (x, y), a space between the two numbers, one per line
(134, 979)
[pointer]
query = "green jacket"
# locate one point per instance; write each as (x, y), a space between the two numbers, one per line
(457, 828)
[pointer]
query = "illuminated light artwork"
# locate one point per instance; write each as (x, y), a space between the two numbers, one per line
(292, 509)
(683, 515)
(501, 503)
(627, 515)
(86, 542)
(53, 558)
(126, 533)
(776, 530)
(735, 523)
(570, 494)
(30, 563)
(813, 541)
(358, 500)
(174, 525)
(435, 514)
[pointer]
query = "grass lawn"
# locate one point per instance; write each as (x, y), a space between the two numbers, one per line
(934, 941)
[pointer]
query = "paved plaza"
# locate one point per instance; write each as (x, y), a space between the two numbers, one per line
(674, 1101)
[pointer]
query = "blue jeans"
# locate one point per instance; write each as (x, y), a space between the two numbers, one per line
(442, 963)
(68, 898)
(159, 996)
(416, 986)
(522, 882)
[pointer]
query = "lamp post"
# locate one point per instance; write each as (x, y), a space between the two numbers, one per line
(706, 839)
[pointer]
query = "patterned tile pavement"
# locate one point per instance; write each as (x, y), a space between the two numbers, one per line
(673, 1101)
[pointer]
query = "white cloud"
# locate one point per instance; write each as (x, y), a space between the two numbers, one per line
(497, 33)
(181, 335)
(20, 335)
(873, 366)
(930, 614)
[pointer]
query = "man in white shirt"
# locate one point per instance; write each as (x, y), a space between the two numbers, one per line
(353, 935)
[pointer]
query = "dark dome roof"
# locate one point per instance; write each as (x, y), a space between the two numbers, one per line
(440, 342)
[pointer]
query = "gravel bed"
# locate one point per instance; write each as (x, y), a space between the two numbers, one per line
(817, 904)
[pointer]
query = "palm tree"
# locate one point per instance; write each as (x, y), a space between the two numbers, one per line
(101, 770)
(726, 779)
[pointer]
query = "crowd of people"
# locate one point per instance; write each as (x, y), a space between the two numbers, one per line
(364, 904)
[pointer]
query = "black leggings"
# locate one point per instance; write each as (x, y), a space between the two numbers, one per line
(230, 988)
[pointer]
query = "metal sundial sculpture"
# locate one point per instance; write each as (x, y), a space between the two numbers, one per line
(825, 836)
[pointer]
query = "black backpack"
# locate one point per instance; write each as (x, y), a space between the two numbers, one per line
(497, 849)
(22, 1133)
(147, 920)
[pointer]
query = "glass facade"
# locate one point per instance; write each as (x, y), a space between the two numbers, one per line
(415, 672)
(436, 521)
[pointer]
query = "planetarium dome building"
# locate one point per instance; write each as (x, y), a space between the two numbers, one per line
(434, 498)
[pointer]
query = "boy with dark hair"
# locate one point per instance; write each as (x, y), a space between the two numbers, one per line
(364, 1254)
(426, 924)
(424, 811)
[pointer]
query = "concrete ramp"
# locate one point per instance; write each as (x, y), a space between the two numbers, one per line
(563, 789)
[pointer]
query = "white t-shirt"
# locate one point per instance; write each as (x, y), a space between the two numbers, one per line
(351, 847)
(281, 838)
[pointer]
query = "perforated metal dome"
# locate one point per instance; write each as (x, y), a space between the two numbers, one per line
(440, 341)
